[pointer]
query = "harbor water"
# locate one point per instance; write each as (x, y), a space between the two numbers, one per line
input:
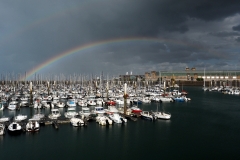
(207, 127)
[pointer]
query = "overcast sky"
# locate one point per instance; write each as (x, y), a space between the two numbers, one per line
(175, 34)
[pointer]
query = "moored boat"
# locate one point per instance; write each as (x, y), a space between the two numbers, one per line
(32, 125)
(136, 110)
(2, 129)
(148, 115)
(162, 115)
(20, 117)
(71, 112)
(77, 121)
(4, 119)
(12, 105)
(54, 114)
(14, 128)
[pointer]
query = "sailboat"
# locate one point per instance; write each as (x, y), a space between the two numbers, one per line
(162, 115)
(204, 86)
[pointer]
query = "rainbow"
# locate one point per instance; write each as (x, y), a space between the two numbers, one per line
(95, 44)
(87, 46)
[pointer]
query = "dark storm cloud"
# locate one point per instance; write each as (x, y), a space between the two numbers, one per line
(236, 28)
(35, 31)
(238, 39)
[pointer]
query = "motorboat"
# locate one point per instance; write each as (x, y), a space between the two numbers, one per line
(148, 115)
(71, 102)
(179, 99)
(2, 129)
(162, 115)
(136, 110)
(32, 125)
(60, 104)
(103, 120)
(71, 112)
(117, 118)
(14, 128)
(20, 117)
(4, 119)
(12, 105)
(110, 102)
(77, 121)
(98, 110)
(54, 114)
(165, 99)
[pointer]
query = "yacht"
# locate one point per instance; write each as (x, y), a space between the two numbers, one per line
(117, 118)
(54, 114)
(99, 110)
(15, 128)
(103, 120)
(4, 119)
(162, 115)
(71, 112)
(179, 99)
(77, 121)
(136, 109)
(2, 129)
(32, 125)
(12, 105)
(20, 117)
(148, 115)
(165, 99)
(71, 102)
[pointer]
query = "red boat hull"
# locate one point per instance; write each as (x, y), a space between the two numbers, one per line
(136, 111)
(113, 103)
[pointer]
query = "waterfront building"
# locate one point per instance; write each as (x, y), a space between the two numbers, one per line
(213, 77)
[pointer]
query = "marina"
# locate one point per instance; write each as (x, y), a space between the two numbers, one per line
(106, 100)
(195, 126)
(124, 80)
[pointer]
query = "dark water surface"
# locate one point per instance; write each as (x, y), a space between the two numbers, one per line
(208, 127)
